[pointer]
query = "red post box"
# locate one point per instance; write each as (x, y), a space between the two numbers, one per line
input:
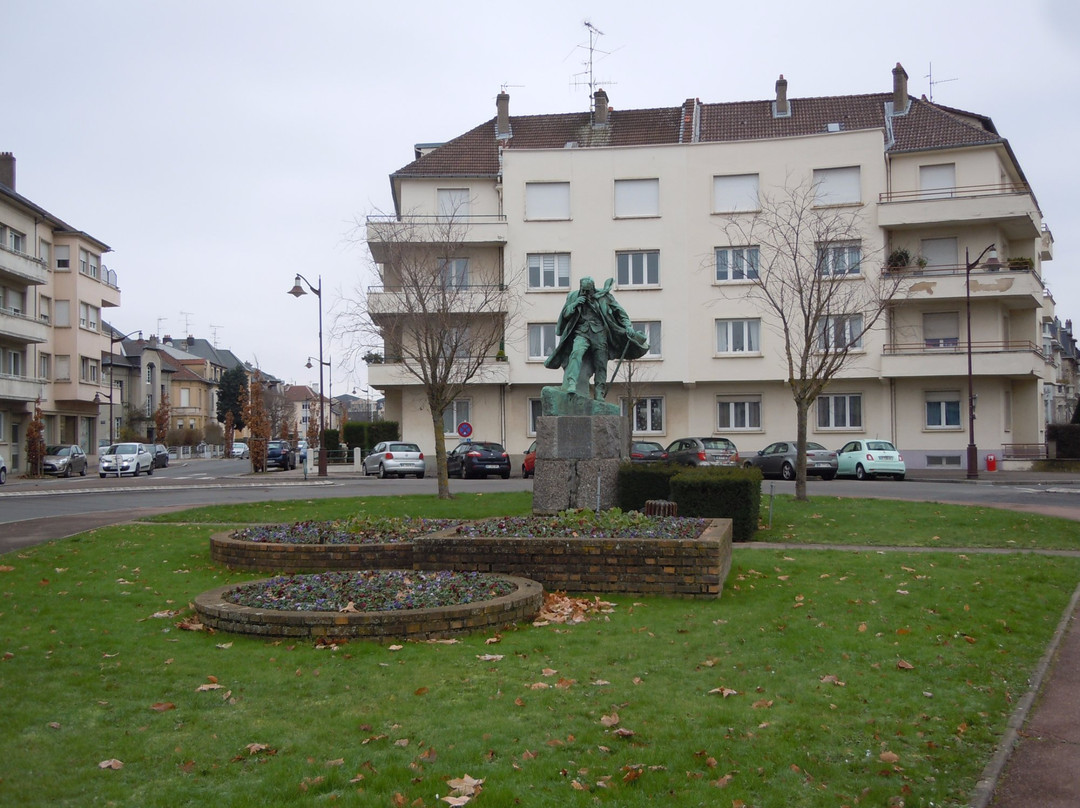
(991, 462)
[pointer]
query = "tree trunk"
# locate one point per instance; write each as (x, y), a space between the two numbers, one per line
(802, 412)
(440, 454)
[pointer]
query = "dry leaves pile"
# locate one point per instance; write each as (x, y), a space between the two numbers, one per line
(561, 608)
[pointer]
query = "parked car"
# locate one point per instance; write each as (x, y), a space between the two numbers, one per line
(528, 465)
(126, 458)
(301, 447)
(3, 470)
(703, 452)
(63, 461)
(781, 458)
(279, 455)
(866, 459)
(161, 456)
(395, 459)
(240, 449)
(478, 458)
(647, 451)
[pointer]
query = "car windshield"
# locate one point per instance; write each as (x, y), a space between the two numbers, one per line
(487, 447)
(814, 446)
(123, 448)
(717, 443)
(648, 447)
(880, 446)
(404, 447)
(60, 451)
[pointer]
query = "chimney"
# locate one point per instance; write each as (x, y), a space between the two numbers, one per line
(502, 122)
(900, 100)
(600, 108)
(781, 109)
(7, 169)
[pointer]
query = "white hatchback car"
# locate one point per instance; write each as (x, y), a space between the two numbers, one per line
(866, 459)
(126, 458)
(395, 459)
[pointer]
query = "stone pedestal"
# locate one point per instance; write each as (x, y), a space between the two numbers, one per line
(577, 461)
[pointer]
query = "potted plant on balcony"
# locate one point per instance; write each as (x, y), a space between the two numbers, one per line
(898, 259)
(1020, 263)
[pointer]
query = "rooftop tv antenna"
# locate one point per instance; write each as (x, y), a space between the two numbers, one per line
(588, 77)
(187, 321)
(160, 320)
(930, 76)
(213, 332)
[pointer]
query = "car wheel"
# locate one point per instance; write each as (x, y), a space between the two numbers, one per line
(3, 476)
(136, 474)
(506, 474)
(83, 472)
(382, 472)
(150, 471)
(67, 471)
(787, 472)
(828, 476)
(899, 478)
(101, 474)
(860, 472)
(461, 472)
(420, 476)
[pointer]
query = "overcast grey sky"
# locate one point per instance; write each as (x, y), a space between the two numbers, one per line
(221, 146)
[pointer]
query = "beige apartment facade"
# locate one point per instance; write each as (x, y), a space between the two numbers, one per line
(654, 200)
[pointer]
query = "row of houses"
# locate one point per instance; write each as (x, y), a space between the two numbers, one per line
(656, 199)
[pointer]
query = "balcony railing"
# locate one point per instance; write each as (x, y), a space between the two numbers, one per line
(1011, 207)
(958, 190)
(477, 298)
(25, 267)
(383, 231)
(947, 345)
(18, 326)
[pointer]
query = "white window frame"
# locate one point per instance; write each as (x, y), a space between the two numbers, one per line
(62, 312)
(649, 415)
(837, 186)
(637, 269)
(454, 273)
(941, 329)
(458, 411)
(940, 252)
(737, 264)
(89, 316)
(738, 336)
(840, 259)
(838, 332)
(62, 367)
(839, 412)
(541, 341)
(452, 203)
(549, 271)
(45, 366)
(736, 192)
(535, 409)
(63, 258)
(937, 181)
(547, 201)
(89, 370)
(738, 413)
(16, 241)
(655, 334)
(938, 410)
(637, 198)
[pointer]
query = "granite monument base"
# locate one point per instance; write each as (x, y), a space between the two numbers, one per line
(577, 462)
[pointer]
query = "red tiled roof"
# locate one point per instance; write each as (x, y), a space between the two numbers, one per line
(925, 126)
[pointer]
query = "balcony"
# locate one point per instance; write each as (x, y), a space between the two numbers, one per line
(1011, 208)
(486, 299)
(1016, 360)
(22, 266)
(385, 232)
(1017, 288)
(21, 328)
(395, 374)
(19, 388)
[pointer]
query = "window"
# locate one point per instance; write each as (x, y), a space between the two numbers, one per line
(738, 336)
(636, 198)
(541, 340)
(11, 362)
(89, 316)
(456, 413)
(94, 273)
(937, 181)
(837, 186)
(16, 241)
(44, 366)
(842, 411)
(648, 414)
(45, 309)
(652, 331)
(63, 313)
(185, 397)
(84, 262)
(939, 252)
(547, 201)
(63, 257)
(150, 405)
(454, 273)
(840, 259)
(549, 271)
(840, 332)
(735, 192)
(150, 374)
(536, 409)
(88, 369)
(45, 252)
(738, 412)
(63, 368)
(638, 268)
(736, 263)
(941, 329)
(943, 410)
(13, 300)
(452, 203)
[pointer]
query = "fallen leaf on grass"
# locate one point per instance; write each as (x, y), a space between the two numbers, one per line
(54, 725)
(209, 686)
(829, 679)
(610, 720)
(889, 757)
(766, 703)
(465, 785)
(111, 763)
(224, 645)
(558, 607)
(489, 657)
(337, 762)
(623, 732)
(723, 691)
(166, 613)
(395, 647)
(493, 640)
(308, 782)
(163, 706)
(904, 665)
(191, 624)
(6, 568)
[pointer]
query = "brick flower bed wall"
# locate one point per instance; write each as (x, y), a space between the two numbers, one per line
(694, 568)
(416, 624)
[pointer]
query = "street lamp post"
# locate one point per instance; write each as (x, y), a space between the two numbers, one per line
(113, 339)
(328, 364)
(297, 291)
(972, 449)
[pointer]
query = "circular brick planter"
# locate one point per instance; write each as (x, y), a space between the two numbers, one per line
(415, 624)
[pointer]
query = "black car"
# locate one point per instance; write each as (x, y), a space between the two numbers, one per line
(279, 455)
(161, 456)
(478, 459)
(647, 451)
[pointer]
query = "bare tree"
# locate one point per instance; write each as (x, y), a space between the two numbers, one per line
(823, 288)
(439, 314)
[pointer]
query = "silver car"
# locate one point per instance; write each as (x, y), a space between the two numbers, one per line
(126, 458)
(65, 460)
(3, 470)
(780, 458)
(703, 452)
(395, 459)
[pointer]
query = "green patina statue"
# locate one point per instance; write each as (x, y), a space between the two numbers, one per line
(593, 329)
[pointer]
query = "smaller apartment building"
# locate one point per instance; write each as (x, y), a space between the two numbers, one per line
(54, 290)
(657, 200)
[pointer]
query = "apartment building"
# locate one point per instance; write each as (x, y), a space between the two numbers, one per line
(647, 197)
(54, 289)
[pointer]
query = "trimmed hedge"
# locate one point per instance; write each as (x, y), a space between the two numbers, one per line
(366, 434)
(705, 491)
(1067, 437)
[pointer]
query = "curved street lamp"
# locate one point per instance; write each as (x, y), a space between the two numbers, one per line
(113, 339)
(297, 291)
(972, 449)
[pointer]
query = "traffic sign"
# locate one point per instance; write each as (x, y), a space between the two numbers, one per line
(464, 429)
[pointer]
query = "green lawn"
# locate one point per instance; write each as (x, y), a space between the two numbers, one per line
(852, 678)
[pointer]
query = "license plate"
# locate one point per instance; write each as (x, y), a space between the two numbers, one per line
(492, 467)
